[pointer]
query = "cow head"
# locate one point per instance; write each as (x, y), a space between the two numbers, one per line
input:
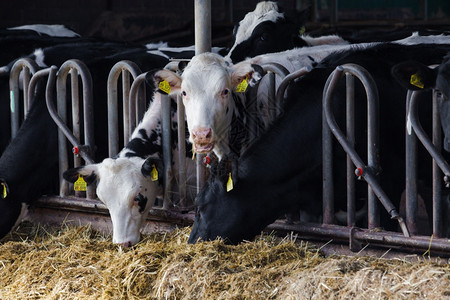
(416, 76)
(207, 86)
(125, 187)
(265, 30)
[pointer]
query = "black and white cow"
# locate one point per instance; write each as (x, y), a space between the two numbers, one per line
(29, 165)
(282, 170)
(125, 184)
(268, 30)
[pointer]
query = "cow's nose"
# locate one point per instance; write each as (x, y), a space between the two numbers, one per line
(202, 134)
(126, 244)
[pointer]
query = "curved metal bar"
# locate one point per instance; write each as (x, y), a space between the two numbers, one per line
(34, 80)
(27, 66)
(423, 137)
(135, 109)
(285, 82)
(368, 172)
(276, 68)
(122, 67)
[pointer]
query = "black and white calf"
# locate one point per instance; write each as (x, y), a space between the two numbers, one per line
(129, 183)
(282, 170)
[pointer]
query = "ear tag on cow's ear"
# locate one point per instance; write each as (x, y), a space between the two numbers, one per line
(242, 87)
(164, 86)
(416, 80)
(4, 192)
(80, 185)
(154, 173)
(302, 31)
(229, 183)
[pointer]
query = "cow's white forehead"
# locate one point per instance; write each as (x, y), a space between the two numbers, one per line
(264, 11)
(119, 177)
(206, 71)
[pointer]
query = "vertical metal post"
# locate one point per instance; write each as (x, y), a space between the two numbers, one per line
(166, 124)
(350, 124)
(202, 15)
(437, 173)
(76, 126)
(411, 171)
(181, 151)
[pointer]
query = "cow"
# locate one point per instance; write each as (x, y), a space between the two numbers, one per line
(129, 183)
(268, 30)
(29, 164)
(282, 170)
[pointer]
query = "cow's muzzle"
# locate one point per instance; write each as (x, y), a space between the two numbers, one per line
(203, 141)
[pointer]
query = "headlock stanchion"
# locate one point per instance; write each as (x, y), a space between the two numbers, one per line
(368, 172)
(75, 68)
(439, 164)
(27, 68)
(124, 68)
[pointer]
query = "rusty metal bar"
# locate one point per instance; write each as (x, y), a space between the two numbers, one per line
(24, 66)
(367, 172)
(120, 68)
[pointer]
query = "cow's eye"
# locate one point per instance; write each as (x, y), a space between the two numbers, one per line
(225, 92)
(184, 93)
(439, 94)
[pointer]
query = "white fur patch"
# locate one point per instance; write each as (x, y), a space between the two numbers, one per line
(51, 30)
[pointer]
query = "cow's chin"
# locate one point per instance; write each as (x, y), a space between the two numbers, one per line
(203, 148)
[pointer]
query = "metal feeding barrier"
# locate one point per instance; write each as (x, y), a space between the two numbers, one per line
(135, 110)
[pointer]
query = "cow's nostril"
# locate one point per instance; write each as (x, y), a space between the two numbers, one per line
(126, 244)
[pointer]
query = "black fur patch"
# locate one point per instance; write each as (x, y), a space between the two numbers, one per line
(141, 201)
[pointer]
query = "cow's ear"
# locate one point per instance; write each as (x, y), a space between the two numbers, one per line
(414, 75)
(151, 165)
(88, 172)
(4, 189)
(245, 70)
(164, 80)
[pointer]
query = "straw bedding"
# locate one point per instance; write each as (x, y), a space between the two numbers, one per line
(79, 263)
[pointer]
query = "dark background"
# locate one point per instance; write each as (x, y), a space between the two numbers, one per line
(169, 20)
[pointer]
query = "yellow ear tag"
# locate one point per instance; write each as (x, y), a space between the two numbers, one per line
(164, 86)
(229, 183)
(80, 185)
(4, 191)
(242, 87)
(154, 174)
(416, 81)
(302, 31)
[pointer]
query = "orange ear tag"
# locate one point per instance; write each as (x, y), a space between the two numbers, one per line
(80, 185)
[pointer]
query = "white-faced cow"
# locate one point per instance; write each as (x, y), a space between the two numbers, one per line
(127, 183)
(282, 170)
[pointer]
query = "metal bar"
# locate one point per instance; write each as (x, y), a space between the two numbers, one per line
(23, 65)
(166, 124)
(202, 15)
(327, 161)
(134, 111)
(34, 80)
(76, 126)
(113, 117)
(368, 172)
(181, 151)
(410, 171)
(286, 80)
(350, 125)
(437, 173)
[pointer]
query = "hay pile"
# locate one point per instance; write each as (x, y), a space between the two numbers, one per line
(80, 263)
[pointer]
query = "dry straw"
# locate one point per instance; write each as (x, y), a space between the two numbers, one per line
(79, 263)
